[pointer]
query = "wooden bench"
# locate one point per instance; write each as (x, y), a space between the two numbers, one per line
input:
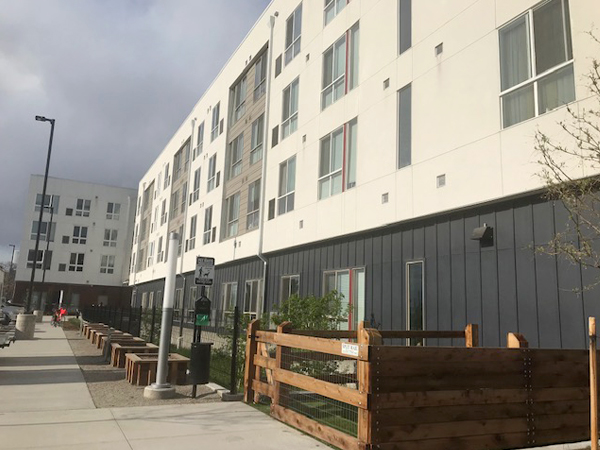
(98, 335)
(141, 369)
(125, 337)
(119, 350)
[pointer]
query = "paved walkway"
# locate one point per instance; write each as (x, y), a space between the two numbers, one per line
(45, 404)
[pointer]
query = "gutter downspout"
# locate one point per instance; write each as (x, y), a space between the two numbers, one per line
(264, 161)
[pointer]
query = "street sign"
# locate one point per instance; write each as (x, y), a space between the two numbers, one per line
(205, 270)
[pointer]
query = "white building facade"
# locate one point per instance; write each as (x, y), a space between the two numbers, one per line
(85, 237)
(359, 148)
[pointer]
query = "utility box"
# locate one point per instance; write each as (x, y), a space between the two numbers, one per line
(200, 362)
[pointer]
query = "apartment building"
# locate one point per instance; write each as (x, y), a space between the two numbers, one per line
(359, 145)
(85, 241)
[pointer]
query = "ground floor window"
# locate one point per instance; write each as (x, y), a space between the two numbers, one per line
(228, 299)
(415, 298)
(350, 283)
(290, 285)
(253, 298)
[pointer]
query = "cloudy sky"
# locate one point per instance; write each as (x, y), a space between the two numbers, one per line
(119, 77)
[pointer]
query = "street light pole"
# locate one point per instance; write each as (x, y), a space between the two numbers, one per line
(37, 236)
(48, 236)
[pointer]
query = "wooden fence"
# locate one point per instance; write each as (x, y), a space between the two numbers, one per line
(424, 398)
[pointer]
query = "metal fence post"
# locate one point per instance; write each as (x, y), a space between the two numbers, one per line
(233, 380)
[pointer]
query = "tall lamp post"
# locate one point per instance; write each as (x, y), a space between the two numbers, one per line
(37, 236)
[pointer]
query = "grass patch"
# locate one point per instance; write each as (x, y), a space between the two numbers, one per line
(72, 323)
(220, 365)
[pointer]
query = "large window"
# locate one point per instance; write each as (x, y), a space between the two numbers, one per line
(50, 201)
(253, 217)
(214, 130)
(287, 186)
(228, 299)
(289, 119)
(199, 141)
(340, 68)
(113, 211)
(235, 156)
(110, 238)
(212, 170)
(107, 264)
(404, 25)
(43, 257)
(160, 254)
(337, 161)
(350, 283)
(290, 285)
(174, 204)
(163, 212)
(253, 298)
(405, 126)
(239, 100)
(79, 235)
(180, 162)
(47, 230)
(195, 195)
(256, 149)
(415, 298)
(76, 262)
(82, 207)
(192, 240)
(293, 31)
(536, 62)
(232, 209)
(332, 9)
(206, 237)
(260, 77)
(167, 180)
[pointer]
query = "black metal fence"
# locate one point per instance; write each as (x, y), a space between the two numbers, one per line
(225, 331)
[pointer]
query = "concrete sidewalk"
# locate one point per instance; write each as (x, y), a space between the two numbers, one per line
(45, 404)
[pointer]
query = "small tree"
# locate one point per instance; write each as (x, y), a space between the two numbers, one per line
(312, 313)
(578, 190)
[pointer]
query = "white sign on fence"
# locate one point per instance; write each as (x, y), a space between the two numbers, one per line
(205, 270)
(350, 349)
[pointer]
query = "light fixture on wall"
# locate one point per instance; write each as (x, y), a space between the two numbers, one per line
(484, 234)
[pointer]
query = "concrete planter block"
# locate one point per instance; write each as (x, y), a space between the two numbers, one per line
(39, 315)
(25, 326)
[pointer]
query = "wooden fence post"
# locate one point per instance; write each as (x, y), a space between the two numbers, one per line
(593, 385)
(249, 370)
(281, 362)
(472, 335)
(516, 340)
(365, 336)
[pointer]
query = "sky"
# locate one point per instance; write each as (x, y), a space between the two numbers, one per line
(118, 76)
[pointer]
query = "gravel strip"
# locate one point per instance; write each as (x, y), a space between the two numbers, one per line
(109, 388)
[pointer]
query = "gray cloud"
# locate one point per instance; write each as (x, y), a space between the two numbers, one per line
(119, 77)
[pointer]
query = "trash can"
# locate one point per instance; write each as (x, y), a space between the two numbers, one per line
(200, 362)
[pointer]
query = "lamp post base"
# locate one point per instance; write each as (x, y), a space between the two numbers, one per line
(159, 392)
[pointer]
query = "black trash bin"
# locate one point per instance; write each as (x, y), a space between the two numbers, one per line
(200, 362)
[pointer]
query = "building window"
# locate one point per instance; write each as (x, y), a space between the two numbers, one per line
(43, 257)
(181, 161)
(110, 238)
(214, 133)
(212, 169)
(256, 150)
(337, 161)
(199, 141)
(293, 30)
(163, 212)
(107, 264)
(50, 201)
(415, 285)
(239, 100)
(405, 126)
(332, 9)
(287, 186)
(228, 299)
(83, 207)
(160, 254)
(113, 211)
(290, 285)
(46, 230)
(195, 195)
(174, 203)
(536, 63)
(404, 25)
(350, 283)
(253, 217)
(235, 156)
(340, 68)
(183, 197)
(76, 262)
(206, 237)
(79, 235)
(192, 240)
(190, 312)
(253, 299)
(178, 303)
(167, 180)
(150, 255)
(289, 117)
(260, 77)
(232, 209)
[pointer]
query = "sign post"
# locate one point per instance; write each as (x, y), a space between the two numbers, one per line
(204, 276)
